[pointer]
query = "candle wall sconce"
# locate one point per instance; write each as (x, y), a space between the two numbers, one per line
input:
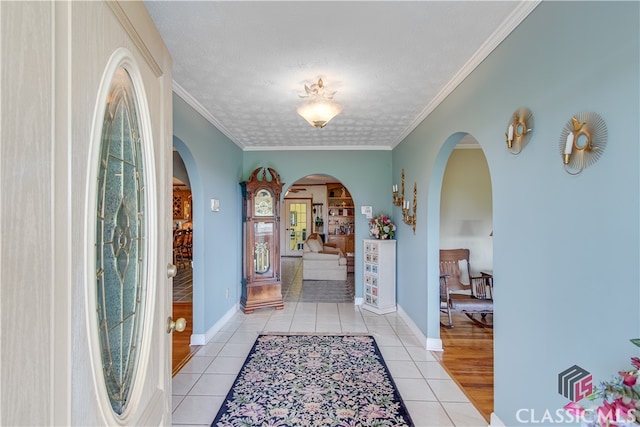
(398, 200)
(582, 141)
(519, 130)
(407, 218)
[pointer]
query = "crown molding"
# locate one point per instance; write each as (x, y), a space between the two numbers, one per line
(322, 148)
(517, 16)
(186, 97)
(512, 21)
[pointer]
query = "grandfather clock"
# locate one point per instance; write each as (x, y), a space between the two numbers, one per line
(261, 284)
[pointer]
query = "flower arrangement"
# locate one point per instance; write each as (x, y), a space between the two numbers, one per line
(381, 227)
(620, 400)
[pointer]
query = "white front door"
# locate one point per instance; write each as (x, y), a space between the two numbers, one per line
(297, 225)
(125, 85)
(88, 212)
(97, 76)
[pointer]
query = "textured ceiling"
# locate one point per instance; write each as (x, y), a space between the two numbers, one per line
(242, 64)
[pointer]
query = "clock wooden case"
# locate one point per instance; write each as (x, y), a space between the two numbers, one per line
(261, 283)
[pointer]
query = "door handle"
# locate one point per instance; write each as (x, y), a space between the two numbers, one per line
(172, 270)
(178, 326)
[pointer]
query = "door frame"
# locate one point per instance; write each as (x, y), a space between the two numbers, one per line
(285, 235)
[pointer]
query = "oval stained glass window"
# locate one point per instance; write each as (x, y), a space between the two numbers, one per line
(120, 241)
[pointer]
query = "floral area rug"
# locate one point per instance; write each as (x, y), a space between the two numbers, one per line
(313, 380)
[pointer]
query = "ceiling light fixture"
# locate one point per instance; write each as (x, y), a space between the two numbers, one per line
(319, 109)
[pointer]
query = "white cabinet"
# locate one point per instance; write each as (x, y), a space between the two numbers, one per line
(379, 276)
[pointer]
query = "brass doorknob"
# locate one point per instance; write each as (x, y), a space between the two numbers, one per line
(178, 326)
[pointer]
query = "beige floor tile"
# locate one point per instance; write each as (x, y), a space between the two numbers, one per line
(464, 414)
(447, 391)
(433, 370)
(414, 389)
(213, 385)
(212, 348)
(182, 383)
(226, 365)
(197, 410)
(393, 353)
(428, 414)
(403, 369)
(235, 350)
(197, 364)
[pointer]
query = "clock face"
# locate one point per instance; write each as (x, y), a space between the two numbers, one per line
(263, 203)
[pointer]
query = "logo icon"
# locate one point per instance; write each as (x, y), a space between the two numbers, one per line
(575, 383)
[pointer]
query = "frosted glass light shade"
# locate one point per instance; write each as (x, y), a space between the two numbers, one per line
(319, 112)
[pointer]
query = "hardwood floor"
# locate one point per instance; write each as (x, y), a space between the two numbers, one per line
(468, 357)
(182, 352)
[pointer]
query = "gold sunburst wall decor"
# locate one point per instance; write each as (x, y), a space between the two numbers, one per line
(582, 141)
(519, 130)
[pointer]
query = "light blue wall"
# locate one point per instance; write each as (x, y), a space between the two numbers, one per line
(366, 174)
(566, 248)
(214, 165)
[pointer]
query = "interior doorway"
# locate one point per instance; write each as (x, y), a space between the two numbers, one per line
(182, 211)
(297, 223)
(466, 222)
(327, 207)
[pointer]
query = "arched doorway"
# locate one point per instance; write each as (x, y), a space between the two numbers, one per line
(317, 206)
(182, 292)
(466, 222)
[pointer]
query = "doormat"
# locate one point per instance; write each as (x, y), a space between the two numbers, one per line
(328, 380)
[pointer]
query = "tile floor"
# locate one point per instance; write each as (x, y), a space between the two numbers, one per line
(431, 396)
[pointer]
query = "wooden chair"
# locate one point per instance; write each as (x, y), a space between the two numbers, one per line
(455, 275)
(182, 247)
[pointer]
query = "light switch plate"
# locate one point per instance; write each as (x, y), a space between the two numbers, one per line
(215, 205)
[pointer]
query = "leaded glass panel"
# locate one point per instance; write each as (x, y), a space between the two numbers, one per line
(120, 240)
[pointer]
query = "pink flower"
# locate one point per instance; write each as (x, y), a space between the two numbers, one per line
(574, 409)
(611, 412)
(628, 378)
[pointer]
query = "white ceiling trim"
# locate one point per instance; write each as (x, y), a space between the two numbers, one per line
(321, 148)
(186, 97)
(518, 15)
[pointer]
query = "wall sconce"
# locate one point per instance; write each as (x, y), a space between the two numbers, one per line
(398, 201)
(410, 219)
(582, 141)
(519, 130)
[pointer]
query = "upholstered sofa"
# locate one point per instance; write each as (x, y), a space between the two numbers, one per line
(322, 261)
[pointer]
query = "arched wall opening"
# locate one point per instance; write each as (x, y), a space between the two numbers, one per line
(197, 201)
(465, 230)
(330, 214)
(461, 199)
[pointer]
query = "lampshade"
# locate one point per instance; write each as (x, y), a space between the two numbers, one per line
(319, 109)
(318, 112)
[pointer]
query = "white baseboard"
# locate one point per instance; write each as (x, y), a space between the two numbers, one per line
(431, 344)
(411, 324)
(434, 344)
(495, 421)
(202, 339)
(359, 301)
